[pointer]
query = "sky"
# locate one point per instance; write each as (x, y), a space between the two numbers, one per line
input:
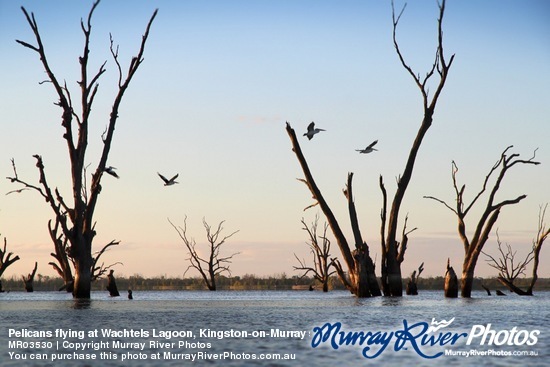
(210, 102)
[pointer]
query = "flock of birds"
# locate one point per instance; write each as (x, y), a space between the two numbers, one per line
(312, 130)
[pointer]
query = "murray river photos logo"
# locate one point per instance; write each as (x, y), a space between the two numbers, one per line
(428, 340)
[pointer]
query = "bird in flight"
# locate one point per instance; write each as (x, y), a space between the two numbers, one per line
(368, 149)
(311, 130)
(169, 182)
(111, 170)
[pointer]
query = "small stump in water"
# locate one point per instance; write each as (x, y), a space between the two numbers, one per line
(111, 285)
(451, 281)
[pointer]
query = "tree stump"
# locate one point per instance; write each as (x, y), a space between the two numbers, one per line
(451, 281)
(111, 285)
(412, 288)
(29, 279)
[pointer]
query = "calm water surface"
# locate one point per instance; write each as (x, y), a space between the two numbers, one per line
(263, 311)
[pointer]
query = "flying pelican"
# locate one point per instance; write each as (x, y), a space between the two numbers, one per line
(169, 182)
(111, 170)
(368, 149)
(311, 130)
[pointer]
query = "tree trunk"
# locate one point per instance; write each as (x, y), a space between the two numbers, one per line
(82, 285)
(365, 278)
(467, 283)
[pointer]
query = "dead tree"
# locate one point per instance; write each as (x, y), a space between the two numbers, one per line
(362, 281)
(29, 279)
(320, 253)
(412, 287)
(76, 219)
(542, 234)
(213, 265)
(64, 263)
(473, 245)
(6, 258)
(507, 265)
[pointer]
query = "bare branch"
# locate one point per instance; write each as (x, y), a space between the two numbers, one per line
(108, 136)
(6, 258)
(442, 202)
(114, 53)
(99, 271)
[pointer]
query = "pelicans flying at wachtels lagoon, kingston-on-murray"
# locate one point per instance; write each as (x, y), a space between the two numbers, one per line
(311, 130)
(369, 148)
(169, 182)
(111, 170)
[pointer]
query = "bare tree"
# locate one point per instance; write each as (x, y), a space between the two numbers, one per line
(474, 245)
(29, 279)
(212, 265)
(507, 265)
(6, 258)
(362, 280)
(76, 220)
(320, 253)
(542, 235)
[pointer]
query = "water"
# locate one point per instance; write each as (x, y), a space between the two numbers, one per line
(256, 311)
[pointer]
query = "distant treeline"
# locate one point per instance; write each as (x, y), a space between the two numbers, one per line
(246, 282)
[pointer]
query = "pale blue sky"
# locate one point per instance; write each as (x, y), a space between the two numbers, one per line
(211, 100)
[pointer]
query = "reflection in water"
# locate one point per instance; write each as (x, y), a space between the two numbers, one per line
(392, 301)
(83, 303)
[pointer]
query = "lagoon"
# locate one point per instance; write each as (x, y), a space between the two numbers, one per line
(269, 328)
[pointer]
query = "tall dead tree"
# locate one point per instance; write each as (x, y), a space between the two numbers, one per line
(6, 258)
(77, 219)
(542, 234)
(473, 245)
(212, 265)
(362, 280)
(322, 263)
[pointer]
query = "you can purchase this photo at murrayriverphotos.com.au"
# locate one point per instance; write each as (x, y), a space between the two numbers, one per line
(274, 183)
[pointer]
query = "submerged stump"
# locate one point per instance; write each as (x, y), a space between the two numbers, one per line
(29, 279)
(451, 281)
(111, 285)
